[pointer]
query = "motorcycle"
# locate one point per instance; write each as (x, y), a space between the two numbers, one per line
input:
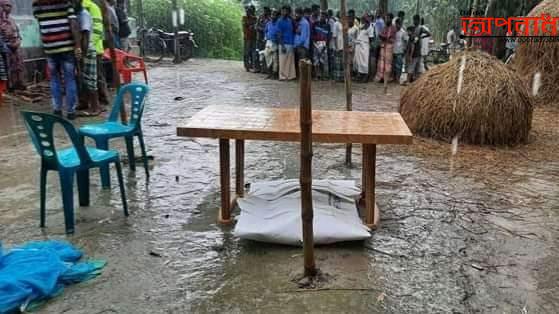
(155, 44)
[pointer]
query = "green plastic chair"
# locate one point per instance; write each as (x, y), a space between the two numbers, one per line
(112, 128)
(74, 160)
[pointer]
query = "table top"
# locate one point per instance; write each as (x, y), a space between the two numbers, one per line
(257, 123)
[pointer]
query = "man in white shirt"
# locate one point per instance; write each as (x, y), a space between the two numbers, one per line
(373, 54)
(400, 44)
(424, 47)
(352, 33)
(338, 40)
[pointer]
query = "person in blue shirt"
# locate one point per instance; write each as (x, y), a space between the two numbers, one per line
(285, 43)
(271, 50)
(302, 36)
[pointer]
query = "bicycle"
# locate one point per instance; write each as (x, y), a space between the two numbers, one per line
(155, 44)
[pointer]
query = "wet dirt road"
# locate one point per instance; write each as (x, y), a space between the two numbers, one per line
(473, 233)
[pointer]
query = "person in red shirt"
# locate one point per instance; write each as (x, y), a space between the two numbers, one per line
(12, 37)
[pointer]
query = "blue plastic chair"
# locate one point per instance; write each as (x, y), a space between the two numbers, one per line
(112, 128)
(76, 159)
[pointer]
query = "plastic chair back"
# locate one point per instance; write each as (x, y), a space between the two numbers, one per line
(41, 126)
(138, 93)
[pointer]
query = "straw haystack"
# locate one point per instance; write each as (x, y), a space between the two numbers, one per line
(540, 56)
(474, 97)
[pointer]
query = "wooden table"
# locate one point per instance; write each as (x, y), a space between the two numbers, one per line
(250, 123)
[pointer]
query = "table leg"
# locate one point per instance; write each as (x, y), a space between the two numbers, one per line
(240, 167)
(224, 168)
(369, 172)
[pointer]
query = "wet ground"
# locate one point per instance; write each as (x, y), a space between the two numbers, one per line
(473, 233)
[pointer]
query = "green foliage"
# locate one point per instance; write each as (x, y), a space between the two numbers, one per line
(215, 23)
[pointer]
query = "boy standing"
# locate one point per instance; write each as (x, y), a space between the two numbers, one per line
(321, 34)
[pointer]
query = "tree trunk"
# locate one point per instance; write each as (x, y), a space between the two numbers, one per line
(383, 6)
(175, 19)
(141, 21)
(490, 11)
(347, 70)
(474, 12)
(305, 69)
(324, 5)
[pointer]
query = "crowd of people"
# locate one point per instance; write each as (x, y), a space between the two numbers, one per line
(380, 46)
(74, 39)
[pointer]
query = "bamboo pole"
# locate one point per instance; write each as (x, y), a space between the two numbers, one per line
(111, 46)
(305, 69)
(347, 70)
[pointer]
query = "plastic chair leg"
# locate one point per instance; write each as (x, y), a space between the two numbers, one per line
(43, 189)
(103, 143)
(144, 154)
(67, 188)
(83, 187)
(130, 150)
(122, 190)
(127, 76)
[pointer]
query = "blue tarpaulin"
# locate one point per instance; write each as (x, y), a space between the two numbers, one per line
(36, 271)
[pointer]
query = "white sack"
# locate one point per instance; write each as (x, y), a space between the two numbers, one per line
(271, 212)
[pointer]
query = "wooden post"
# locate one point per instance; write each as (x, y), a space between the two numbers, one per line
(240, 167)
(111, 44)
(368, 182)
(347, 70)
(225, 180)
(385, 77)
(305, 178)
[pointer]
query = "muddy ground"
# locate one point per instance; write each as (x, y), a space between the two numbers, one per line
(473, 233)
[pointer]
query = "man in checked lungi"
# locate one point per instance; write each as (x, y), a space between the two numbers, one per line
(321, 34)
(88, 67)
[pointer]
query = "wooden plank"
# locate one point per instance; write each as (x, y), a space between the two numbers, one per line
(249, 123)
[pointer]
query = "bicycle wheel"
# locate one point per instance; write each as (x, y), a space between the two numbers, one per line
(186, 50)
(154, 48)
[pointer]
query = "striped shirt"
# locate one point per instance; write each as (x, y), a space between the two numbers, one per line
(54, 23)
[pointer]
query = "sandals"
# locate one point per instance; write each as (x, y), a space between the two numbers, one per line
(89, 113)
